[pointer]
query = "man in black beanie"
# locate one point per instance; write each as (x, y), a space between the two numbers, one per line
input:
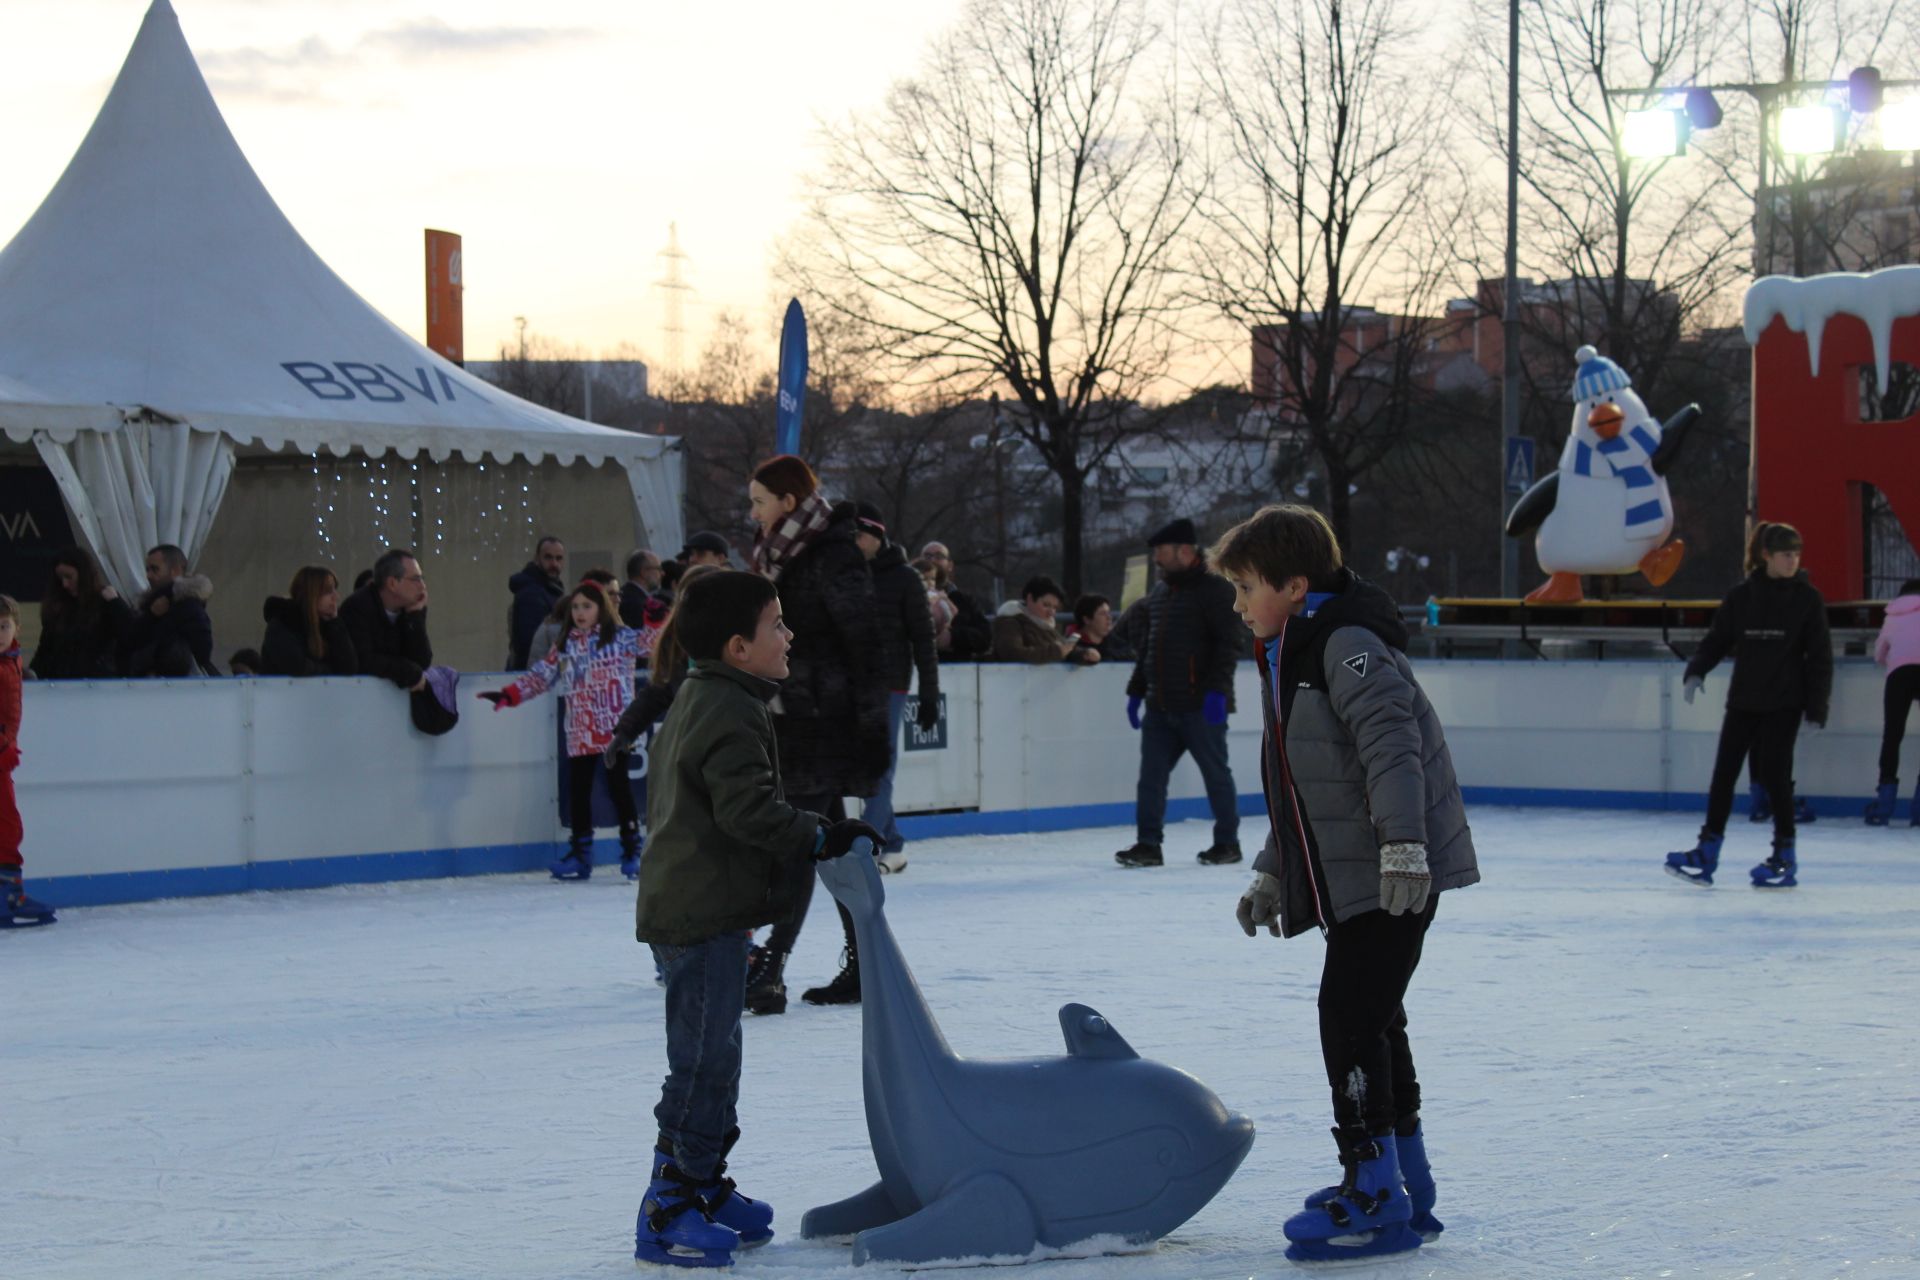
(1181, 693)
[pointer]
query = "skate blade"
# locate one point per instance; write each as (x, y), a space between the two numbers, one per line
(1705, 882)
(27, 922)
(1360, 1247)
(653, 1255)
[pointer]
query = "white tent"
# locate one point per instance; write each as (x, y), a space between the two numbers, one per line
(158, 311)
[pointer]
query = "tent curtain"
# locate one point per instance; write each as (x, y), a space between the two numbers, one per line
(151, 482)
(659, 490)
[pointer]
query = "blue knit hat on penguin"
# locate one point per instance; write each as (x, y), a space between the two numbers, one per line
(1597, 375)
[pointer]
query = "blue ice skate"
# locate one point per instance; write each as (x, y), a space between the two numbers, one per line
(630, 851)
(1913, 811)
(675, 1227)
(1369, 1214)
(1776, 872)
(577, 862)
(1880, 808)
(1421, 1191)
(21, 911)
(750, 1219)
(1759, 804)
(1697, 864)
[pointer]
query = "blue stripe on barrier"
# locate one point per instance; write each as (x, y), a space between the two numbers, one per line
(428, 864)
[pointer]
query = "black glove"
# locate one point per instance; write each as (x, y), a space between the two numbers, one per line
(618, 747)
(842, 834)
(929, 717)
(496, 697)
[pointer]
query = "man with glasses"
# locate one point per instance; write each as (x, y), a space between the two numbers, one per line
(971, 633)
(387, 619)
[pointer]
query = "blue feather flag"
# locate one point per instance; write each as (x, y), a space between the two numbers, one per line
(793, 380)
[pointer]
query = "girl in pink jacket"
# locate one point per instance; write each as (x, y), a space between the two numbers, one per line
(1898, 650)
(592, 668)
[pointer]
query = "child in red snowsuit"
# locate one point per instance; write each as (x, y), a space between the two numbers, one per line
(19, 909)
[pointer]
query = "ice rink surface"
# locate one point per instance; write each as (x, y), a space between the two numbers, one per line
(1625, 1076)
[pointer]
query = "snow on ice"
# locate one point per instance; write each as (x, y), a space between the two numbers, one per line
(1626, 1076)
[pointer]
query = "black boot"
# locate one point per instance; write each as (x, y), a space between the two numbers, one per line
(1140, 855)
(845, 987)
(1220, 854)
(767, 981)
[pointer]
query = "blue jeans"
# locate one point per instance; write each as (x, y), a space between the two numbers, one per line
(1164, 737)
(878, 812)
(706, 993)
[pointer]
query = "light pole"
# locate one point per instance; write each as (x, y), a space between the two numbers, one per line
(1510, 310)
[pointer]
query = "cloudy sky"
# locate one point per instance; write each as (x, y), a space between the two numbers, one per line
(558, 138)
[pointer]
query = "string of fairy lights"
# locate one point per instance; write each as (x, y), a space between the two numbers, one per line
(477, 510)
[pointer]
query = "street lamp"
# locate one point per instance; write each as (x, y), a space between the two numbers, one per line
(1900, 126)
(1811, 131)
(1654, 134)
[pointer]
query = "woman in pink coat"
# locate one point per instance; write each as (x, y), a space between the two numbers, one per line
(1898, 650)
(592, 668)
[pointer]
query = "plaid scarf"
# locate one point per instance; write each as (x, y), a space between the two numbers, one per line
(773, 551)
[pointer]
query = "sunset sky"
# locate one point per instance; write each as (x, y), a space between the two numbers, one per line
(558, 138)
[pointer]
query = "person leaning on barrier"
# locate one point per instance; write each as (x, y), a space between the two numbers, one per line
(387, 621)
(171, 634)
(83, 622)
(305, 634)
(970, 634)
(1093, 628)
(1024, 630)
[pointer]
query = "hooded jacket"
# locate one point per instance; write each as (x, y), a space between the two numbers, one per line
(1776, 629)
(283, 650)
(1353, 758)
(535, 593)
(156, 643)
(1898, 644)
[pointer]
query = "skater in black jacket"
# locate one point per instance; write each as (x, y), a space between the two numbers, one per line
(1775, 625)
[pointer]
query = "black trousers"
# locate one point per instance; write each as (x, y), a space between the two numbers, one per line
(787, 932)
(580, 774)
(1769, 736)
(1363, 1017)
(1902, 691)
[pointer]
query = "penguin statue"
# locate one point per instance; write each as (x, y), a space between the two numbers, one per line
(1605, 508)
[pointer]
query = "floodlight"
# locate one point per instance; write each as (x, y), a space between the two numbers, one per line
(1900, 126)
(1648, 135)
(1810, 131)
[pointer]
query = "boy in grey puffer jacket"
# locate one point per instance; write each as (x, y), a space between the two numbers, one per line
(1367, 828)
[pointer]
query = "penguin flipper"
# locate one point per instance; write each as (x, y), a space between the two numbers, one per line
(1673, 434)
(1534, 505)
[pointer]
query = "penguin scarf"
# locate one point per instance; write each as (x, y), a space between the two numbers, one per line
(1629, 458)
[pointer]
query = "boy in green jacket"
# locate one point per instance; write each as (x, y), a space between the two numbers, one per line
(727, 853)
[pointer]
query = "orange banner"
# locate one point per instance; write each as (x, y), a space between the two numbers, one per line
(446, 331)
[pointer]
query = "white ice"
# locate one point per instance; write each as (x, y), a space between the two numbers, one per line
(1626, 1076)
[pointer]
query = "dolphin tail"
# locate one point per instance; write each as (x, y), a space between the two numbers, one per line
(863, 1212)
(854, 880)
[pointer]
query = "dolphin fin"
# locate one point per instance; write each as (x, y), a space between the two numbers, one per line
(1091, 1036)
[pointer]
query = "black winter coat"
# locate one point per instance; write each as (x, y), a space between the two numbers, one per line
(283, 650)
(395, 650)
(831, 715)
(1776, 629)
(1193, 640)
(76, 650)
(906, 624)
(534, 595)
(179, 642)
(972, 630)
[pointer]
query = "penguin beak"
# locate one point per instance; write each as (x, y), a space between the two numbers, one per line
(1606, 420)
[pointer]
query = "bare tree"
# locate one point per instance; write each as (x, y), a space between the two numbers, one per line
(1328, 189)
(1005, 220)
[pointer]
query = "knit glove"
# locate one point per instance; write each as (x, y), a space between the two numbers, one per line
(1404, 879)
(1692, 685)
(1214, 708)
(1133, 712)
(1260, 905)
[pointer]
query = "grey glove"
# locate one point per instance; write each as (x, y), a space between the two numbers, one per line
(614, 756)
(1692, 685)
(1260, 905)
(1404, 879)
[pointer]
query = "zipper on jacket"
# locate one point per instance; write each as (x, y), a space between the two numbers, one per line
(1286, 775)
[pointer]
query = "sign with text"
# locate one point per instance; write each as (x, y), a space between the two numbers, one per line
(33, 530)
(446, 328)
(918, 739)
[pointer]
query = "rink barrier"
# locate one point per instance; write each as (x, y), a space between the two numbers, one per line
(134, 790)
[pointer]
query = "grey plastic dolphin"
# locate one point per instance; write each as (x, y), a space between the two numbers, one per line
(1006, 1159)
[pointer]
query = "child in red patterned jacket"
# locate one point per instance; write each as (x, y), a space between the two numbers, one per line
(19, 910)
(592, 668)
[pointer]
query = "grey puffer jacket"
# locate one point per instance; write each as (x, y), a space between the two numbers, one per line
(1362, 762)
